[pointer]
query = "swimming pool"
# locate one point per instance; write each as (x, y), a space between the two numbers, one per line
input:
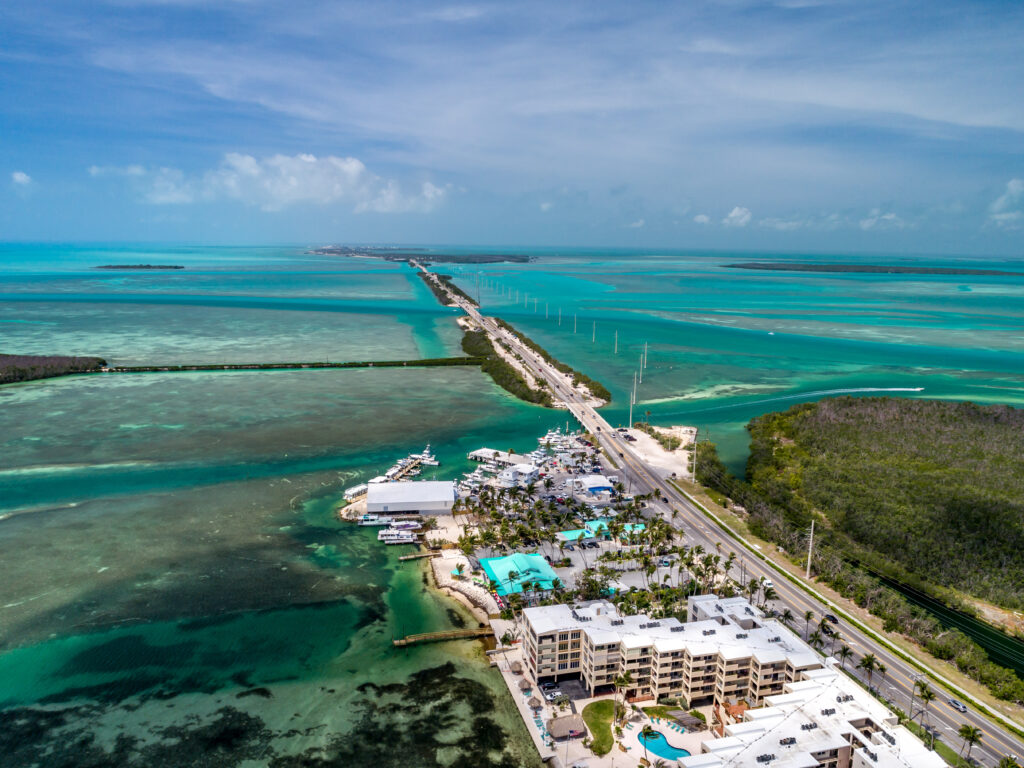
(658, 745)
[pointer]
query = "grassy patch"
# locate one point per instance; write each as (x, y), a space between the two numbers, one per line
(659, 711)
(598, 717)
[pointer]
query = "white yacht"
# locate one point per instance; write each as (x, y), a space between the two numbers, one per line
(373, 520)
(427, 458)
(405, 525)
(391, 536)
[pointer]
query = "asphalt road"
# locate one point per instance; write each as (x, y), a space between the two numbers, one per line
(898, 682)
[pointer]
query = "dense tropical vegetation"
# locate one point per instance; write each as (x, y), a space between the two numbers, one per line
(476, 344)
(780, 507)
(930, 488)
(30, 367)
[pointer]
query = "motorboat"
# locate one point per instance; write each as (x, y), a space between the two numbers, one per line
(391, 536)
(373, 520)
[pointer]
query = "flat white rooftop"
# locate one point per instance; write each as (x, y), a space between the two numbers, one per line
(411, 492)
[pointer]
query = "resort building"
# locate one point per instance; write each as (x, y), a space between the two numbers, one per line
(518, 476)
(730, 652)
(822, 720)
(513, 574)
(593, 489)
(426, 497)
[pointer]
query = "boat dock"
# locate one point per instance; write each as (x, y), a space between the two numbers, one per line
(437, 637)
(419, 555)
(405, 470)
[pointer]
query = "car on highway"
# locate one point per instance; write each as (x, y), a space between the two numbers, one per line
(827, 630)
(767, 584)
(958, 706)
(830, 618)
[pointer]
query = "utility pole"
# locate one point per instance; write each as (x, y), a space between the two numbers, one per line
(535, 304)
(593, 333)
(810, 551)
(545, 310)
(616, 342)
(641, 369)
(645, 354)
(632, 399)
(559, 315)
(574, 322)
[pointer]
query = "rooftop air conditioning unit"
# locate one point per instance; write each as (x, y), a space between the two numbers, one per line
(708, 632)
(680, 628)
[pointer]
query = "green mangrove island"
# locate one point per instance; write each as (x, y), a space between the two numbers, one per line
(928, 493)
(15, 368)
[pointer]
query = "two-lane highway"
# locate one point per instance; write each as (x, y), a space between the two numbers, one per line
(898, 682)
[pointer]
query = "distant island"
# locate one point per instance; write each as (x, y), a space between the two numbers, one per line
(876, 269)
(422, 255)
(30, 367)
(140, 266)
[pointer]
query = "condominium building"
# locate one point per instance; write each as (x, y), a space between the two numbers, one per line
(726, 651)
(824, 720)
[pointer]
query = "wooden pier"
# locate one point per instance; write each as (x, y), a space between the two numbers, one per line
(437, 637)
(413, 464)
(418, 555)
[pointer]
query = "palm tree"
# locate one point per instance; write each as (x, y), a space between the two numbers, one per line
(845, 652)
(817, 640)
(881, 669)
(645, 733)
(659, 763)
(786, 617)
(459, 568)
(927, 696)
(971, 736)
(869, 664)
(808, 618)
(1008, 762)
(622, 682)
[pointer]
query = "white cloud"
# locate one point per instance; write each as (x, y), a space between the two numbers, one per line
(21, 178)
(636, 224)
(278, 182)
(702, 218)
(116, 170)
(738, 217)
(1007, 211)
(878, 220)
(546, 206)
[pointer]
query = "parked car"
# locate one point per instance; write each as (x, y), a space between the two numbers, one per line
(958, 706)
(553, 694)
(570, 547)
(548, 686)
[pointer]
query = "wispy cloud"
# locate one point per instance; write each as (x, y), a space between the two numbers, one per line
(702, 218)
(638, 224)
(878, 219)
(1007, 210)
(116, 170)
(738, 217)
(21, 178)
(282, 181)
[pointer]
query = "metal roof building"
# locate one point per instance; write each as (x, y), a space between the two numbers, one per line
(427, 497)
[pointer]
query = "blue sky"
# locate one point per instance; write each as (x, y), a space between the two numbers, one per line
(797, 124)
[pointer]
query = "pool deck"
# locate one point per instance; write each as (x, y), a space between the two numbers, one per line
(576, 751)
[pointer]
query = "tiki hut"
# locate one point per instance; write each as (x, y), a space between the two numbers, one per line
(525, 685)
(516, 667)
(534, 703)
(566, 727)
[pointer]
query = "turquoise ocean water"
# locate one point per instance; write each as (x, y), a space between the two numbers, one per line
(175, 583)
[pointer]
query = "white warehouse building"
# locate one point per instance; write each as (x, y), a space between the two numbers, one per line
(426, 497)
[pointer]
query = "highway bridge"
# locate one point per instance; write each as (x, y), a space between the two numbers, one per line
(798, 595)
